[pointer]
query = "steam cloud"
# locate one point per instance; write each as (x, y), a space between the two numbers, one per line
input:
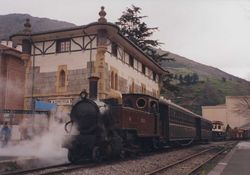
(46, 146)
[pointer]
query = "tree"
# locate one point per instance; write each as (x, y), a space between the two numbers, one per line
(132, 26)
(243, 107)
(187, 79)
(181, 78)
(137, 31)
(195, 78)
(223, 79)
(176, 76)
(167, 84)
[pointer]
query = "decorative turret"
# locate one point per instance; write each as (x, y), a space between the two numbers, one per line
(27, 27)
(102, 15)
(26, 43)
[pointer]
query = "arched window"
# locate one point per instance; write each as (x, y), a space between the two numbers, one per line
(132, 87)
(116, 82)
(62, 78)
(112, 80)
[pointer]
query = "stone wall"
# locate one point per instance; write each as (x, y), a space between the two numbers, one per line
(12, 86)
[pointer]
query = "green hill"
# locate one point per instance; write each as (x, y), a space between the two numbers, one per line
(211, 89)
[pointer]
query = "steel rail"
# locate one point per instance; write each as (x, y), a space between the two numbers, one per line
(210, 159)
(36, 169)
(178, 162)
(72, 168)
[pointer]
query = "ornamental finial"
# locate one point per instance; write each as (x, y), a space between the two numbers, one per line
(102, 15)
(27, 26)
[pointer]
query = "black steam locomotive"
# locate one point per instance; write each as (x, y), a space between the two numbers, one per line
(118, 126)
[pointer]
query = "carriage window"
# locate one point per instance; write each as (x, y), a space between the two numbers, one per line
(128, 103)
(141, 103)
(153, 106)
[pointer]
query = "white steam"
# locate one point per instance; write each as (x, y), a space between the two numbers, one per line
(13, 86)
(102, 106)
(46, 145)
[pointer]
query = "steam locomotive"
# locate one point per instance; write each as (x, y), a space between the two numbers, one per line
(115, 127)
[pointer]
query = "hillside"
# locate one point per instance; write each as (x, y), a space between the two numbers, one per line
(183, 65)
(13, 23)
(211, 89)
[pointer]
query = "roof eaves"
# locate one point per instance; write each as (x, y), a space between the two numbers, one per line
(150, 58)
(64, 29)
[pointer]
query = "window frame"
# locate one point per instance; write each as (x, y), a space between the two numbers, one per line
(114, 49)
(63, 45)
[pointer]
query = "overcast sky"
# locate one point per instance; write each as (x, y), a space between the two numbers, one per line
(212, 32)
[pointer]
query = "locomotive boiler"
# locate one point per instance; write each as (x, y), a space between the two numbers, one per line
(128, 123)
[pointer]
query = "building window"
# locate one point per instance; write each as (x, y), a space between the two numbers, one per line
(112, 80)
(62, 79)
(114, 49)
(150, 73)
(116, 82)
(63, 45)
(131, 61)
(143, 88)
(154, 76)
(143, 69)
(132, 87)
(139, 66)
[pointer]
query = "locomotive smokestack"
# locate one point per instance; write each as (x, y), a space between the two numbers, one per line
(93, 87)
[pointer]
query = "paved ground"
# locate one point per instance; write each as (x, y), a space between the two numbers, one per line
(237, 162)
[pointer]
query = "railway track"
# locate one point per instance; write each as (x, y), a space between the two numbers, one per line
(191, 164)
(50, 170)
(174, 159)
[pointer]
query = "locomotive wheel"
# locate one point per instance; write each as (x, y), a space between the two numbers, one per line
(122, 154)
(155, 144)
(96, 154)
(73, 156)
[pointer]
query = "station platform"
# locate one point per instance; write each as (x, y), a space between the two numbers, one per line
(235, 162)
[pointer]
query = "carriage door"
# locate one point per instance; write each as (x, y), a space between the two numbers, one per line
(164, 120)
(198, 128)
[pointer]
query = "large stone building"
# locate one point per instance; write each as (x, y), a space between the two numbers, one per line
(59, 63)
(235, 112)
(12, 75)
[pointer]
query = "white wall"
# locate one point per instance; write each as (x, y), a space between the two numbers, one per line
(73, 60)
(129, 73)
